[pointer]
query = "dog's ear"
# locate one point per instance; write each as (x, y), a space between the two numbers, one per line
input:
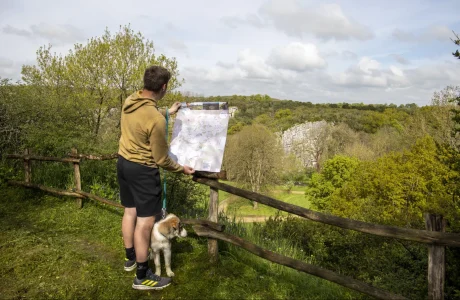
(175, 224)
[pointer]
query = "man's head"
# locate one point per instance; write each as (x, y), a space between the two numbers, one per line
(156, 80)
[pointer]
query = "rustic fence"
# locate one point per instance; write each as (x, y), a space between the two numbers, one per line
(434, 236)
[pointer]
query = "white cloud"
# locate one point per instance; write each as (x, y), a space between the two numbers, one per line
(6, 63)
(325, 22)
(349, 55)
(221, 74)
(368, 65)
(57, 34)
(434, 75)
(400, 59)
(344, 55)
(397, 71)
(177, 45)
(296, 57)
(253, 65)
(9, 68)
(16, 31)
(250, 19)
(435, 32)
(369, 73)
(212, 62)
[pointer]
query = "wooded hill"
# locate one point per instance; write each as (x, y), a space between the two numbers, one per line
(279, 115)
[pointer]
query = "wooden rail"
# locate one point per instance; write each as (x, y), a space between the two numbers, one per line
(43, 158)
(434, 236)
(421, 236)
(45, 189)
(94, 157)
(296, 264)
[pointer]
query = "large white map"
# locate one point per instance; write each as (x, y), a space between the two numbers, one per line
(199, 135)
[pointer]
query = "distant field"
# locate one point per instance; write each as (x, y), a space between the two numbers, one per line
(294, 188)
(238, 206)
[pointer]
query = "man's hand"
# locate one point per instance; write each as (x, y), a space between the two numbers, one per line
(174, 108)
(188, 170)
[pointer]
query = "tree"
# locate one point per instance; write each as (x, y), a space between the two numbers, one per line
(398, 188)
(253, 157)
(10, 133)
(336, 172)
(443, 108)
(457, 42)
(456, 98)
(82, 91)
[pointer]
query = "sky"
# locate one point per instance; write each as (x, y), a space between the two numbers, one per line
(357, 51)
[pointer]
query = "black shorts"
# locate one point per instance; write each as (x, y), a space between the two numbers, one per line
(140, 187)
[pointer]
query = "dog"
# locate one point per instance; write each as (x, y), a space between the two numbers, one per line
(162, 234)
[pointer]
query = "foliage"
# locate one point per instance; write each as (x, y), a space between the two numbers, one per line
(397, 189)
(336, 172)
(252, 157)
(10, 131)
(399, 267)
(288, 186)
(279, 115)
(77, 97)
(185, 197)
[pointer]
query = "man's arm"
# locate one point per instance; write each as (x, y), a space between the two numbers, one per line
(159, 147)
(172, 110)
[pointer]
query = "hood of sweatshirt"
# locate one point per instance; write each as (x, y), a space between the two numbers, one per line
(136, 100)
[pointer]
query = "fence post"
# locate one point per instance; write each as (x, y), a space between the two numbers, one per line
(76, 168)
(436, 258)
(213, 249)
(27, 167)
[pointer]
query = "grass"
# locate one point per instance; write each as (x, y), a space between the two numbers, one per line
(294, 188)
(224, 195)
(242, 207)
(51, 249)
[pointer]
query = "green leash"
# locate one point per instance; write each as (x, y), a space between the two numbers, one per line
(163, 210)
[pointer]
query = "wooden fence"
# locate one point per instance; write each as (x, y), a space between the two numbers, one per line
(434, 236)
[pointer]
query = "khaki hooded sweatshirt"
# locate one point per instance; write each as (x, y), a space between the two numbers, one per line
(143, 134)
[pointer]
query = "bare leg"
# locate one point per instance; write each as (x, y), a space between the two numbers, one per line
(142, 235)
(128, 224)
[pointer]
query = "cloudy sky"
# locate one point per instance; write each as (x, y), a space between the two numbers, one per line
(370, 51)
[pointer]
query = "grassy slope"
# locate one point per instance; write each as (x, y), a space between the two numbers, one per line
(51, 249)
(242, 207)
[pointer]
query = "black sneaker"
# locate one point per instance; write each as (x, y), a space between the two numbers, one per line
(130, 264)
(151, 282)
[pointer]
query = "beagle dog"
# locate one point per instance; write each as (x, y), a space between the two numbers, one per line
(162, 234)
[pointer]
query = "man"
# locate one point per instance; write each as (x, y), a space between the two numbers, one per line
(142, 150)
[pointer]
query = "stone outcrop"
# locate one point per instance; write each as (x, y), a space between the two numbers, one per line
(304, 141)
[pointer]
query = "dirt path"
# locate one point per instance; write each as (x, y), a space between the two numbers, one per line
(251, 219)
(292, 192)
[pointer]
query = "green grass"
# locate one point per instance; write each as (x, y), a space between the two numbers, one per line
(296, 199)
(294, 188)
(224, 195)
(51, 249)
(242, 207)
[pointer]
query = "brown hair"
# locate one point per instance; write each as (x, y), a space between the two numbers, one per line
(155, 77)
